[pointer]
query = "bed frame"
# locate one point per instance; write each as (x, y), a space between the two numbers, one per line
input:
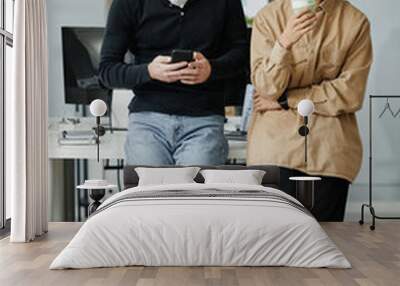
(271, 178)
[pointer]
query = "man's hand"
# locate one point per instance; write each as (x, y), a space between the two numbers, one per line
(262, 104)
(297, 27)
(161, 69)
(197, 72)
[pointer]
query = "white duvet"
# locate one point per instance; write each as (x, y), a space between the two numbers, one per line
(200, 232)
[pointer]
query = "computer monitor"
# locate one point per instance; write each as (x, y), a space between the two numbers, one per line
(81, 58)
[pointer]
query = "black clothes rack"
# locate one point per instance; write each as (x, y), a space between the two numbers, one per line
(370, 205)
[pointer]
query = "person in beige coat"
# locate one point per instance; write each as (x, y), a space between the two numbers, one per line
(324, 56)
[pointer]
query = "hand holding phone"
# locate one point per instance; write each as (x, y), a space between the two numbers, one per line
(162, 69)
(187, 67)
(197, 72)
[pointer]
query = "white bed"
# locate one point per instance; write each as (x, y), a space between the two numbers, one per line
(268, 228)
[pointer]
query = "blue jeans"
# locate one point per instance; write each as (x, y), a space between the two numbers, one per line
(156, 139)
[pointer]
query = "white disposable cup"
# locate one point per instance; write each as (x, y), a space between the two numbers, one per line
(301, 5)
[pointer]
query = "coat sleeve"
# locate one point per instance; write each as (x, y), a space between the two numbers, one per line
(345, 94)
(271, 64)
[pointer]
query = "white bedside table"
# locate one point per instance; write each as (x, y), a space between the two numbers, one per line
(96, 193)
(305, 190)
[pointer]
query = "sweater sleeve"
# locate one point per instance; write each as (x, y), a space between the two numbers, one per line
(113, 71)
(235, 37)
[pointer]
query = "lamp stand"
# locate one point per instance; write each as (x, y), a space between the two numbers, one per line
(304, 131)
(100, 131)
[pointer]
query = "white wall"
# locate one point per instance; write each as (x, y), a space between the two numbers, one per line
(251, 7)
(91, 13)
(80, 13)
(384, 80)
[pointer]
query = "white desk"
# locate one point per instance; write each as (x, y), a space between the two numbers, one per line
(112, 145)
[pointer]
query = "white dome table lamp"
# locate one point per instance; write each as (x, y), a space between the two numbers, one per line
(97, 188)
(305, 108)
(305, 186)
(98, 108)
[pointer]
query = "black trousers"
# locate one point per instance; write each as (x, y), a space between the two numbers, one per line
(330, 194)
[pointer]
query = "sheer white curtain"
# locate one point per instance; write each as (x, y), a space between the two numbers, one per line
(27, 123)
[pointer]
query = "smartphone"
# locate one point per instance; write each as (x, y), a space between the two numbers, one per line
(182, 56)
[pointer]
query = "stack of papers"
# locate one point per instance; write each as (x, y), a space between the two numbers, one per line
(77, 137)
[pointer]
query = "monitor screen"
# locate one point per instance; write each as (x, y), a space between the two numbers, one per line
(81, 58)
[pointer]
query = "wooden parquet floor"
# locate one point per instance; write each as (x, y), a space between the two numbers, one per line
(375, 257)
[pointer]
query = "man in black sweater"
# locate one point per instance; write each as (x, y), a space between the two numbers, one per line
(177, 114)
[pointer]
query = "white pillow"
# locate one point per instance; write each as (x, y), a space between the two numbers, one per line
(166, 176)
(245, 177)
